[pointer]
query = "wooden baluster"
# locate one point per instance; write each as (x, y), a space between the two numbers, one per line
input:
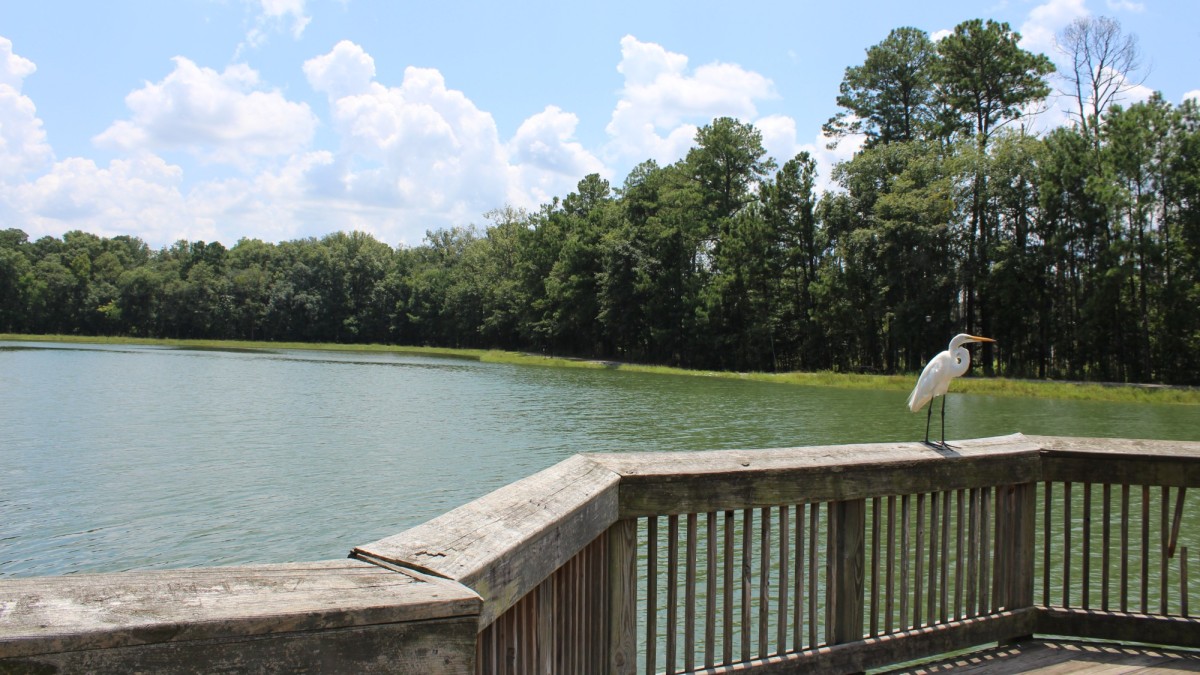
(727, 624)
(972, 552)
(959, 534)
(848, 523)
(798, 608)
(985, 549)
(891, 583)
(689, 594)
(1124, 548)
(1105, 544)
(785, 550)
(935, 505)
(919, 570)
(1085, 576)
(814, 522)
(710, 591)
(651, 594)
(747, 578)
(943, 577)
(890, 604)
(764, 581)
(1145, 598)
(1164, 590)
(1066, 539)
(672, 629)
(874, 609)
(905, 526)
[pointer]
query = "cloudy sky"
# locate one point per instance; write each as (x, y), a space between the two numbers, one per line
(279, 119)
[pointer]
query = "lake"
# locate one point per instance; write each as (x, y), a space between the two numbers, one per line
(133, 457)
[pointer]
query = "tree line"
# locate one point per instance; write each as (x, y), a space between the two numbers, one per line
(1077, 249)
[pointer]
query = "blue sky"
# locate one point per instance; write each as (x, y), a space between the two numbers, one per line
(280, 119)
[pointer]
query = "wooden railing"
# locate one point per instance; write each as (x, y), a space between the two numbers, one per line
(836, 559)
(832, 559)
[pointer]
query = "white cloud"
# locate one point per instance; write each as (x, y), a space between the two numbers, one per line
(1126, 6)
(139, 196)
(273, 15)
(23, 146)
(662, 103)
(1193, 95)
(344, 71)
(1045, 20)
(219, 117)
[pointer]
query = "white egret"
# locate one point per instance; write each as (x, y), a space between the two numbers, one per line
(935, 379)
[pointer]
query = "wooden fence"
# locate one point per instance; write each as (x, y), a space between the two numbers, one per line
(835, 559)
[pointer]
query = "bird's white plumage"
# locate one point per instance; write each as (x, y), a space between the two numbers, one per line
(947, 365)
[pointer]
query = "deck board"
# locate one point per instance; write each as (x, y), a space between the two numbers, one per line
(1058, 657)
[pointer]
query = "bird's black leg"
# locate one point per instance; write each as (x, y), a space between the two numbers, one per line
(944, 422)
(928, 417)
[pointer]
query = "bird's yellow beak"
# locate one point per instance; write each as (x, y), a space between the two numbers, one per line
(981, 339)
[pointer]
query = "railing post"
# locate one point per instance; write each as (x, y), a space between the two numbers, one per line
(845, 591)
(622, 597)
(1016, 514)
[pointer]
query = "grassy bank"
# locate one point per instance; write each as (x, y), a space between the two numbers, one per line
(992, 386)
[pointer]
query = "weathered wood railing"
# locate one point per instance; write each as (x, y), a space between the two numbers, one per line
(836, 559)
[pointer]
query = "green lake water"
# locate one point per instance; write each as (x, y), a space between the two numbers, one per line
(127, 457)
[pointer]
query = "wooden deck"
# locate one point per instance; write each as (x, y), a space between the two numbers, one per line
(1063, 656)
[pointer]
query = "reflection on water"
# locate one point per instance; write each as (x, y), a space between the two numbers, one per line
(122, 457)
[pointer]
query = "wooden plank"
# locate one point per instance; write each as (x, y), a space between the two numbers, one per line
(1067, 528)
(622, 598)
(905, 555)
(849, 560)
(944, 572)
(877, 652)
(435, 646)
(689, 615)
(505, 543)
(972, 582)
(1183, 581)
(1099, 467)
(710, 591)
(652, 595)
(701, 481)
(985, 550)
(764, 580)
(1164, 536)
(727, 623)
(919, 567)
(959, 535)
(890, 585)
(781, 609)
(1145, 552)
(43, 615)
(798, 606)
(1048, 540)
(874, 605)
(1058, 656)
(1126, 627)
(747, 579)
(1085, 574)
(671, 632)
(1105, 545)
(814, 511)
(935, 510)
(1124, 598)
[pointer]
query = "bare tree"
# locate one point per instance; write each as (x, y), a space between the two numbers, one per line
(1103, 64)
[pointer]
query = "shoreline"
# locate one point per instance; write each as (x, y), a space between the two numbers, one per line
(993, 386)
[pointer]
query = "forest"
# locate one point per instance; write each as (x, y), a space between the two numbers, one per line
(1077, 248)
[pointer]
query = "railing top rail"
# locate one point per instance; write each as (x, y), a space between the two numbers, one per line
(508, 541)
(106, 611)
